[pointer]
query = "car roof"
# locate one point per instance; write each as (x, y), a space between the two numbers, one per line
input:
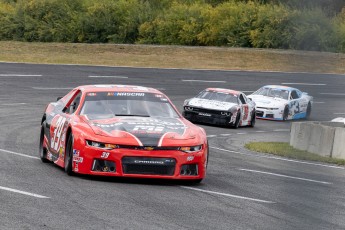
(280, 87)
(221, 90)
(117, 88)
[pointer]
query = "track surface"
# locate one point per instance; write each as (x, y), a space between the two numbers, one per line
(252, 191)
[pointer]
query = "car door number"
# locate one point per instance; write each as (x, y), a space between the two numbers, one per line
(55, 141)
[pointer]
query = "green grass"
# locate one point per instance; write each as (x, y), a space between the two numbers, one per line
(285, 150)
(172, 57)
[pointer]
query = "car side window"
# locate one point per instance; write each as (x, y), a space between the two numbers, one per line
(242, 99)
(73, 106)
(294, 94)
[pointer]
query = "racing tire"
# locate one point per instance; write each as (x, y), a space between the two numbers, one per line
(253, 120)
(286, 113)
(42, 151)
(307, 116)
(237, 122)
(68, 161)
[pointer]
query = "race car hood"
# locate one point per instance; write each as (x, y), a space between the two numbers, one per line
(211, 104)
(144, 131)
(267, 102)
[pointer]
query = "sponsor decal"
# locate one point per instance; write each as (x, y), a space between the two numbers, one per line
(129, 94)
(105, 155)
(149, 148)
(76, 168)
(78, 159)
(204, 114)
(61, 152)
(190, 158)
(91, 94)
(55, 141)
(76, 153)
(148, 129)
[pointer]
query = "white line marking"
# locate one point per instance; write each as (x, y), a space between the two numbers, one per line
(228, 195)
(241, 133)
(260, 131)
(302, 83)
(225, 135)
(211, 135)
(336, 94)
(23, 192)
(281, 130)
(279, 158)
(108, 76)
(286, 176)
(204, 81)
(318, 102)
(20, 75)
(47, 88)
(19, 154)
(13, 104)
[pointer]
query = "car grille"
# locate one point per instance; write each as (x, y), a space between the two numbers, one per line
(199, 110)
(259, 113)
(148, 165)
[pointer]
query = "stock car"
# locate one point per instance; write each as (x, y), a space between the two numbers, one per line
(122, 130)
(277, 102)
(220, 107)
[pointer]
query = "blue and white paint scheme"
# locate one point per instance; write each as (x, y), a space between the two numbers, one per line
(278, 102)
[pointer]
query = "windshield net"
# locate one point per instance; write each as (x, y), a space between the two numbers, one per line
(218, 96)
(273, 92)
(103, 105)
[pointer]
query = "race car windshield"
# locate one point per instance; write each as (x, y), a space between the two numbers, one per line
(218, 96)
(271, 92)
(103, 105)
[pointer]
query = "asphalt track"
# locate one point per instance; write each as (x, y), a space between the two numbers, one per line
(243, 189)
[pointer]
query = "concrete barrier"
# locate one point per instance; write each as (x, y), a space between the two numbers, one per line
(339, 143)
(322, 138)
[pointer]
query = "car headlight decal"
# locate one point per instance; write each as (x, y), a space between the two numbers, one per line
(191, 149)
(101, 145)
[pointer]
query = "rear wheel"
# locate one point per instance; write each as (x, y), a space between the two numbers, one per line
(42, 150)
(308, 111)
(286, 113)
(69, 155)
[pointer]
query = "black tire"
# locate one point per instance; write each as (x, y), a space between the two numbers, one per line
(197, 181)
(253, 120)
(286, 113)
(42, 151)
(237, 122)
(308, 111)
(69, 155)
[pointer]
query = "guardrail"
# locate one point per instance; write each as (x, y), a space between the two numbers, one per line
(322, 138)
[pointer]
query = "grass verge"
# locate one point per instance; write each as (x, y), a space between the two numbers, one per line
(285, 150)
(222, 58)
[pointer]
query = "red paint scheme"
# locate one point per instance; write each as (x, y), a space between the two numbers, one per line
(82, 130)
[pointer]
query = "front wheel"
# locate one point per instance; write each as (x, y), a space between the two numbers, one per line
(286, 113)
(42, 150)
(308, 111)
(253, 120)
(69, 155)
(238, 118)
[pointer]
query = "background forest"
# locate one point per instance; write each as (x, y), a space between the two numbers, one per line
(284, 24)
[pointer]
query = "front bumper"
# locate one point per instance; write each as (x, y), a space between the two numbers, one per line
(269, 114)
(160, 164)
(207, 117)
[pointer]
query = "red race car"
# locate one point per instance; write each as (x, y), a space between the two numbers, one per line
(122, 130)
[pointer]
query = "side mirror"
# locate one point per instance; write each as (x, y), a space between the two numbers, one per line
(57, 99)
(249, 99)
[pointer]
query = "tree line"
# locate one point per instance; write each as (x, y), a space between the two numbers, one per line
(284, 24)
